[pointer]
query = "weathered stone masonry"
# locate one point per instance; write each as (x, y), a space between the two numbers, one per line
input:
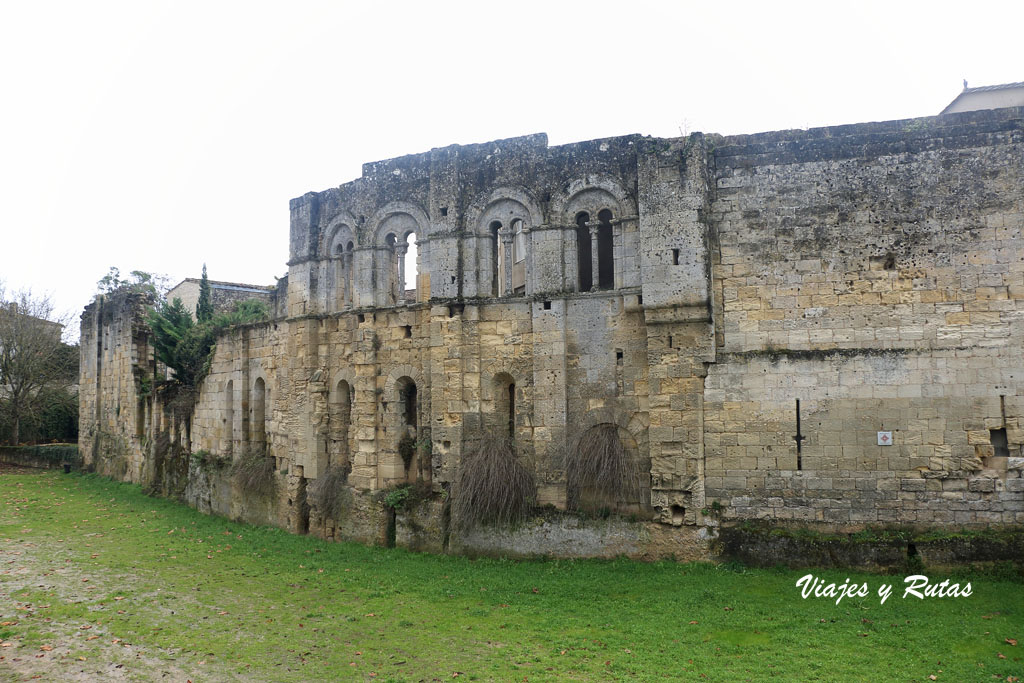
(702, 294)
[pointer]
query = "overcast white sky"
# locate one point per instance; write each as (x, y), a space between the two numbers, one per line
(162, 135)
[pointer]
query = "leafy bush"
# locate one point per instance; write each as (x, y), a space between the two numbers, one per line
(493, 486)
(206, 460)
(406, 496)
(186, 346)
(254, 473)
(600, 472)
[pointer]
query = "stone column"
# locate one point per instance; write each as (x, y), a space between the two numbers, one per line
(400, 250)
(506, 241)
(593, 226)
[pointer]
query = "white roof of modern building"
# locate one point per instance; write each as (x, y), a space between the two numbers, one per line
(987, 97)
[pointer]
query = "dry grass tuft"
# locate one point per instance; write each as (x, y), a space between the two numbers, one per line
(255, 473)
(600, 472)
(493, 487)
(328, 492)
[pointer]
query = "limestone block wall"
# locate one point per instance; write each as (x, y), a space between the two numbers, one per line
(872, 273)
(116, 412)
(748, 313)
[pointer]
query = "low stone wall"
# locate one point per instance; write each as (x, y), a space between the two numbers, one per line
(563, 535)
(51, 456)
(875, 550)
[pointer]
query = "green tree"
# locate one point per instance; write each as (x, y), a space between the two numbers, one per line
(138, 281)
(186, 347)
(204, 307)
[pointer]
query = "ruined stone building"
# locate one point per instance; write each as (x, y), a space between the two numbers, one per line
(817, 327)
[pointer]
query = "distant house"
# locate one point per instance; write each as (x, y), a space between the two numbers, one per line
(987, 97)
(48, 326)
(223, 294)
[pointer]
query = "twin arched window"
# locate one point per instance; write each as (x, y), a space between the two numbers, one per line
(508, 265)
(343, 278)
(595, 251)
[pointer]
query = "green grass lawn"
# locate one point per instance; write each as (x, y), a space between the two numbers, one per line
(98, 581)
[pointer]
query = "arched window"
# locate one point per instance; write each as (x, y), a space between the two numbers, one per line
(512, 411)
(505, 404)
(583, 252)
(605, 251)
(349, 279)
(340, 423)
(497, 281)
(259, 412)
(407, 401)
(340, 276)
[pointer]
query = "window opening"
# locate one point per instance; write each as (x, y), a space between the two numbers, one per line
(605, 251)
(342, 412)
(518, 242)
(259, 427)
(583, 253)
(512, 411)
(410, 281)
(799, 438)
(496, 268)
(997, 437)
(408, 396)
(229, 414)
(140, 417)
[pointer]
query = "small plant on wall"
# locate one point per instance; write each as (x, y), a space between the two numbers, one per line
(493, 486)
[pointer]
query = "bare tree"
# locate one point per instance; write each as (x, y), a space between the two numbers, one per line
(32, 355)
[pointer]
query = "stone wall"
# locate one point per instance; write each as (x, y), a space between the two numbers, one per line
(684, 294)
(874, 274)
(224, 296)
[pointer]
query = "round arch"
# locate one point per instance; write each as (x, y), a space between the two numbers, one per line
(398, 216)
(592, 194)
(478, 215)
(339, 231)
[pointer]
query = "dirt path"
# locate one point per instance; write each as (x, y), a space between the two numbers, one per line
(62, 649)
